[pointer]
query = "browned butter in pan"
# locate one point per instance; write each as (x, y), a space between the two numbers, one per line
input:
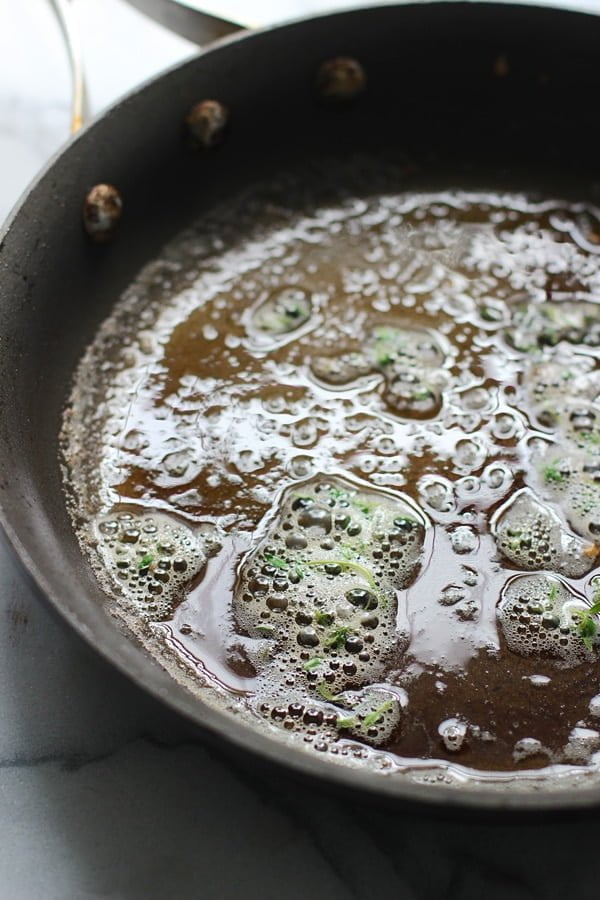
(336, 456)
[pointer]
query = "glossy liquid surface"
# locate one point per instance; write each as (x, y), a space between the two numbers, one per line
(338, 453)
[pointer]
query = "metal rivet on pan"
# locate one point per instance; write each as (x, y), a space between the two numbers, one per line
(102, 210)
(206, 123)
(501, 66)
(342, 78)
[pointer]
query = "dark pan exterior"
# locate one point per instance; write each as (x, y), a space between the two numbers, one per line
(433, 95)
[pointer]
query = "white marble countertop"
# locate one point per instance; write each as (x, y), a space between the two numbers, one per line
(104, 793)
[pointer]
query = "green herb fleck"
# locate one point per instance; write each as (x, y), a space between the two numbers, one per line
(586, 625)
(145, 560)
(552, 591)
(324, 691)
(323, 618)
(587, 629)
(346, 722)
(337, 493)
(384, 359)
(422, 394)
(276, 561)
(338, 637)
(312, 664)
(364, 573)
(373, 717)
(552, 475)
(589, 437)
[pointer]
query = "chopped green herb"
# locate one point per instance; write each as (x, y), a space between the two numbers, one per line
(346, 722)
(552, 591)
(323, 618)
(586, 625)
(324, 691)
(346, 564)
(587, 629)
(145, 560)
(552, 475)
(265, 629)
(422, 394)
(338, 494)
(373, 717)
(298, 571)
(276, 561)
(384, 359)
(589, 437)
(338, 637)
(312, 664)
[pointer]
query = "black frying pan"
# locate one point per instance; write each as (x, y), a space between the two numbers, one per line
(436, 94)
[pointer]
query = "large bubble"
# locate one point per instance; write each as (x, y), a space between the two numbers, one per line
(531, 537)
(540, 616)
(318, 595)
(411, 361)
(150, 558)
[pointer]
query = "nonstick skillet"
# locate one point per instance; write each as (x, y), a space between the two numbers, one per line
(499, 95)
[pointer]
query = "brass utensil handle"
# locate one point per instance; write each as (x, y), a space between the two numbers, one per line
(65, 15)
(198, 27)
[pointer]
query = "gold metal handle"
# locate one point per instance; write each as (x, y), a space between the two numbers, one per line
(65, 15)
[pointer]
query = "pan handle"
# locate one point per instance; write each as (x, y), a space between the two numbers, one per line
(199, 27)
(187, 21)
(65, 15)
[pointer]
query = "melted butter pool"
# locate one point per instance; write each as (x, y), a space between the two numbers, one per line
(358, 439)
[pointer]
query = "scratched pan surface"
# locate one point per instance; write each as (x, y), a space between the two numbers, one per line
(433, 95)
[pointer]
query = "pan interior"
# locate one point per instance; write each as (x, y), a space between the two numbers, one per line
(333, 459)
(478, 99)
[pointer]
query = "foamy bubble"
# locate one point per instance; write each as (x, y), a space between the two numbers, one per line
(283, 312)
(531, 536)
(582, 743)
(150, 559)
(453, 733)
(321, 589)
(525, 748)
(540, 616)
